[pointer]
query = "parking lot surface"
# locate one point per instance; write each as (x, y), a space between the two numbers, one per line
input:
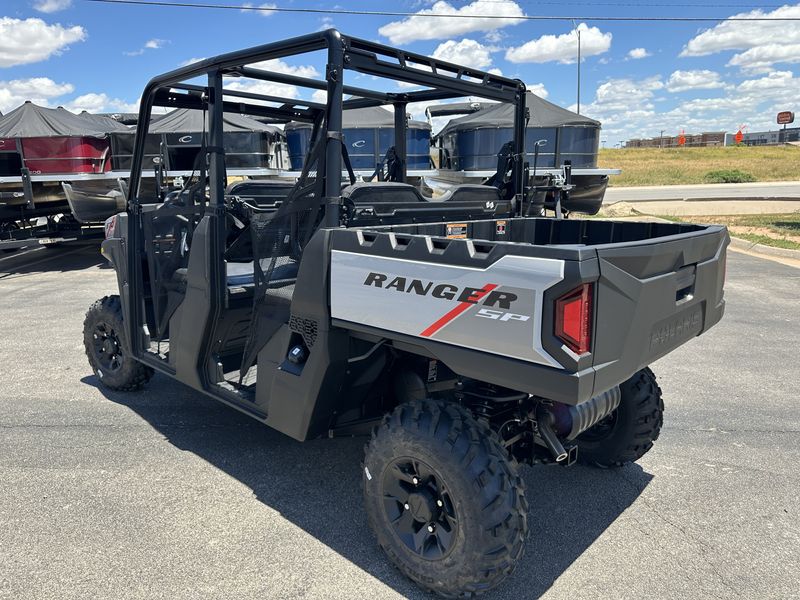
(164, 493)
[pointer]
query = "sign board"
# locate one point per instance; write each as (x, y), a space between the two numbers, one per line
(785, 117)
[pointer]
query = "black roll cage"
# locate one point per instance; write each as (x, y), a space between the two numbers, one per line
(444, 80)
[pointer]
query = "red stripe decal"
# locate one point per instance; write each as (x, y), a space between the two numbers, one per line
(460, 308)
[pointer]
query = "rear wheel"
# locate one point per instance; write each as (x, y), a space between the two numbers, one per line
(628, 433)
(103, 341)
(444, 499)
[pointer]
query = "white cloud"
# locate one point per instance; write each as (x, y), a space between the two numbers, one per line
(562, 48)
(267, 88)
(763, 43)
(320, 96)
(422, 27)
(51, 6)
(761, 59)
(628, 108)
(95, 103)
(32, 40)
(36, 89)
(263, 9)
(538, 89)
(703, 79)
(276, 65)
(638, 53)
(153, 44)
(191, 61)
(495, 36)
(466, 52)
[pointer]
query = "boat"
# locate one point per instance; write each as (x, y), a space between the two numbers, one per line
(466, 149)
(41, 147)
(252, 149)
(368, 135)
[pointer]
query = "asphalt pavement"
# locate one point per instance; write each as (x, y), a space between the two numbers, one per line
(164, 493)
(768, 190)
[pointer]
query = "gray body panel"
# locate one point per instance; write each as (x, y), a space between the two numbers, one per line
(425, 300)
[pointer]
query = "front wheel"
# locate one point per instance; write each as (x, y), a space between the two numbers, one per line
(444, 499)
(628, 433)
(103, 341)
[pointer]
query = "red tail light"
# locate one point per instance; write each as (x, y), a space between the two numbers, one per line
(574, 319)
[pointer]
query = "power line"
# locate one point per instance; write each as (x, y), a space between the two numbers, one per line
(748, 6)
(382, 13)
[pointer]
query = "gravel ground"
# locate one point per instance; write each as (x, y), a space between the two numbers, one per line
(166, 494)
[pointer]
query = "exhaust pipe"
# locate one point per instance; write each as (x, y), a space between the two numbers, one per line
(544, 420)
(568, 422)
(556, 421)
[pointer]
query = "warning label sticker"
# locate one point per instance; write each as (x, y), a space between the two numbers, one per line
(457, 231)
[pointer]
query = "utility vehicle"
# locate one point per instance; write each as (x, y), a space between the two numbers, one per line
(465, 335)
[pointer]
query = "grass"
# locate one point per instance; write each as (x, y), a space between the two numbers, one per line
(779, 231)
(675, 166)
(769, 241)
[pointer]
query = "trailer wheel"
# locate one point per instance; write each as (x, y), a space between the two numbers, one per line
(103, 333)
(444, 498)
(628, 433)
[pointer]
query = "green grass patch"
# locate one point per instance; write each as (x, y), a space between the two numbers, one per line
(677, 166)
(778, 231)
(769, 241)
(729, 176)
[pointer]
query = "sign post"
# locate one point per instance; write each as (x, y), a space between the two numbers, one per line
(785, 118)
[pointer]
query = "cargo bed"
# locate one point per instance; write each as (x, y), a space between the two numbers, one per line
(654, 286)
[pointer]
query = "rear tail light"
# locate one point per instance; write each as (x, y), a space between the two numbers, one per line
(110, 226)
(574, 319)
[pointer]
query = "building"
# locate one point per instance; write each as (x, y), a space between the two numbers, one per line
(709, 138)
(766, 138)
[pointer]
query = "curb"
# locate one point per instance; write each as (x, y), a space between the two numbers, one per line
(611, 201)
(741, 244)
(744, 245)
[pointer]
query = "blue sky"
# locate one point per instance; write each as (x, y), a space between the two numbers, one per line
(637, 78)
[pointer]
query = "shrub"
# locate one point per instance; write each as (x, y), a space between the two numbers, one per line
(728, 176)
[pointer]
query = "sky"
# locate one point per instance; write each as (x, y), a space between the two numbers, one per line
(637, 78)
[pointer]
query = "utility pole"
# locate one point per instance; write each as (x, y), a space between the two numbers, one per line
(578, 31)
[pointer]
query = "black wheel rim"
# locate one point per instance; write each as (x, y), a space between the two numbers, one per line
(107, 347)
(419, 508)
(602, 430)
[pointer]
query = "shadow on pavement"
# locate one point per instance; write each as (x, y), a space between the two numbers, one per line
(60, 258)
(316, 485)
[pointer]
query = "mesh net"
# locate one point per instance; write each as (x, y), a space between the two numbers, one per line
(278, 239)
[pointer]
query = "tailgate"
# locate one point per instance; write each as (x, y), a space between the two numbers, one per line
(653, 296)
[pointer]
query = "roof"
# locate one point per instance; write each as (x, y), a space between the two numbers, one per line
(542, 113)
(366, 118)
(184, 120)
(31, 120)
(107, 123)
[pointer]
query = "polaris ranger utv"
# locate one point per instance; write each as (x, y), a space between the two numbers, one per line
(466, 336)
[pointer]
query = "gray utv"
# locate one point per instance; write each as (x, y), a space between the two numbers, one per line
(465, 334)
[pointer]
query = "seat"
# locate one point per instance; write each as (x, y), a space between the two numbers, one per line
(241, 275)
(470, 193)
(262, 193)
(382, 193)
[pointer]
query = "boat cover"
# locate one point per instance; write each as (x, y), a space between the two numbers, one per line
(185, 120)
(106, 123)
(371, 117)
(542, 114)
(31, 120)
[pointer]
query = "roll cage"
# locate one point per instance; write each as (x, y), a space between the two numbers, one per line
(319, 187)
